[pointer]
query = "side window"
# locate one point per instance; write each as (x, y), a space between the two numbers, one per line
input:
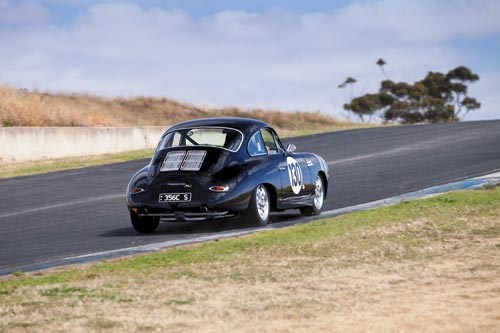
(278, 143)
(176, 140)
(256, 145)
(269, 142)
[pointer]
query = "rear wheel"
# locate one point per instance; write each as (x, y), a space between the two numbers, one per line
(144, 224)
(259, 208)
(319, 197)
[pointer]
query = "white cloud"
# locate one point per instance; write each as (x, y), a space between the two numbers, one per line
(422, 21)
(274, 59)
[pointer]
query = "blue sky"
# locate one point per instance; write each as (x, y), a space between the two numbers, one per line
(288, 55)
(65, 11)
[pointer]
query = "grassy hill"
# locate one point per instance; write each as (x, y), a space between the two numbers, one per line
(20, 107)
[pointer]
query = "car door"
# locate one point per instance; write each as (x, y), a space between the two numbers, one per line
(294, 172)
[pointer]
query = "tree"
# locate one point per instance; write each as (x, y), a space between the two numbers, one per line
(349, 81)
(459, 78)
(381, 63)
(436, 98)
(367, 105)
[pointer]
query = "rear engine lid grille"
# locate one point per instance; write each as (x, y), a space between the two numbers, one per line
(185, 161)
(194, 160)
(173, 160)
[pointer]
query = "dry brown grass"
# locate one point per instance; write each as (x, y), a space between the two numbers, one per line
(20, 107)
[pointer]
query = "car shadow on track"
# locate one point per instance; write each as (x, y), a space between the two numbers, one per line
(190, 228)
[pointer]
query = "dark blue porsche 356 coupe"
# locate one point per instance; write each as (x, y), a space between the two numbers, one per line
(224, 167)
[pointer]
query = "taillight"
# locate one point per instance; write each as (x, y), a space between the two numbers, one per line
(219, 188)
(136, 190)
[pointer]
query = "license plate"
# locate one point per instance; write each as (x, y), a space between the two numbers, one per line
(175, 197)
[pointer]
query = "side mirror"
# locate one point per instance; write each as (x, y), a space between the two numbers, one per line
(290, 149)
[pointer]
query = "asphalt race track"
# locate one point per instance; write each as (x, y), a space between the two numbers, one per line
(63, 214)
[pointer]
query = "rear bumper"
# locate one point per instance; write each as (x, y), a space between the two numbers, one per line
(183, 216)
(211, 206)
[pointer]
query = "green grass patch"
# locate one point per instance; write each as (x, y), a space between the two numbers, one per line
(63, 291)
(39, 167)
(336, 128)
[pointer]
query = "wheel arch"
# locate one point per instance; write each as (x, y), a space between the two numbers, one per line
(322, 174)
(273, 195)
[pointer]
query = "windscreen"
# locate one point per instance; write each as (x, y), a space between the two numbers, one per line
(221, 137)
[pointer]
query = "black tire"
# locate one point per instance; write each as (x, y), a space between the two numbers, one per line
(258, 211)
(318, 200)
(144, 225)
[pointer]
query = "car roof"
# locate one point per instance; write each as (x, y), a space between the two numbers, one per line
(242, 124)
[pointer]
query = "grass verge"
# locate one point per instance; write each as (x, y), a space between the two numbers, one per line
(286, 133)
(427, 265)
(38, 167)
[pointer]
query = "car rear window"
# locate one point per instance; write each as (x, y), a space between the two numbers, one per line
(221, 137)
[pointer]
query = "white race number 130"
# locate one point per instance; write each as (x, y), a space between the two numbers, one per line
(295, 174)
